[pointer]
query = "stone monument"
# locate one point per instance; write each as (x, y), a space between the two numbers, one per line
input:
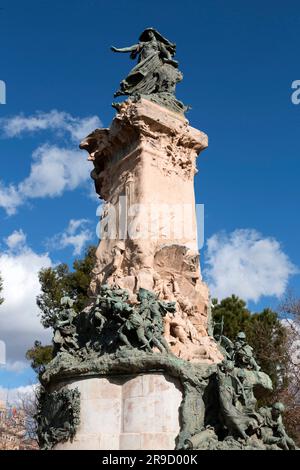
(139, 367)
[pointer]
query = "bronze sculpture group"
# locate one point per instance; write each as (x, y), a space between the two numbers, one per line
(114, 333)
(113, 324)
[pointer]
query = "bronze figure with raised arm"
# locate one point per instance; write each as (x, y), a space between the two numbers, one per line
(156, 72)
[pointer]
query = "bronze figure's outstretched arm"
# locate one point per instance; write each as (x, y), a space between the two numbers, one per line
(135, 47)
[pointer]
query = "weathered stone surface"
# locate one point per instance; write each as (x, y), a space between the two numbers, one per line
(141, 355)
(141, 413)
(147, 161)
(217, 402)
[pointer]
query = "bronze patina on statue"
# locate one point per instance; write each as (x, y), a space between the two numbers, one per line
(156, 74)
(142, 366)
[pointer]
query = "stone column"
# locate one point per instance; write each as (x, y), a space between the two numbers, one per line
(144, 171)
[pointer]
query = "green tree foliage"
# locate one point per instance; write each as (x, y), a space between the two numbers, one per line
(39, 356)
(56, 283)
(269, 339)
(265, 333)
(234, 313)
(61, 281)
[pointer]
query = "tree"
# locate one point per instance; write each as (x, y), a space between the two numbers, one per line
(290, 396)
(234, 313)
(27, 404)
(60, 281)
(56, 283)
(17, 424)
(268, 336)
(39, 356)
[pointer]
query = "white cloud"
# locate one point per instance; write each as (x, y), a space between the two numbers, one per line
(58, 121)
(75, 224)
(246, 264)
(10, 199)
(19, 322)
(15, 395)
(54, 169)
(16, 366)
(16, 240)
(77, 235)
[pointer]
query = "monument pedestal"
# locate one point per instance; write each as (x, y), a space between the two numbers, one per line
(126, 412)
(138, 368)
(130, 354)
(144, 168)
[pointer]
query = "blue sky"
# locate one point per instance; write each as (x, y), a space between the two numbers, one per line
(239, 60)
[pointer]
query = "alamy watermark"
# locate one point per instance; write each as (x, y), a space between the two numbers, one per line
(152, 221)
(295, 96)
(2, 353)
(2, 92)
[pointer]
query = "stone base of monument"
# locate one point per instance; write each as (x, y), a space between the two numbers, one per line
(138, 367)
(126, 412)
(125, 401)
(134, 399)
